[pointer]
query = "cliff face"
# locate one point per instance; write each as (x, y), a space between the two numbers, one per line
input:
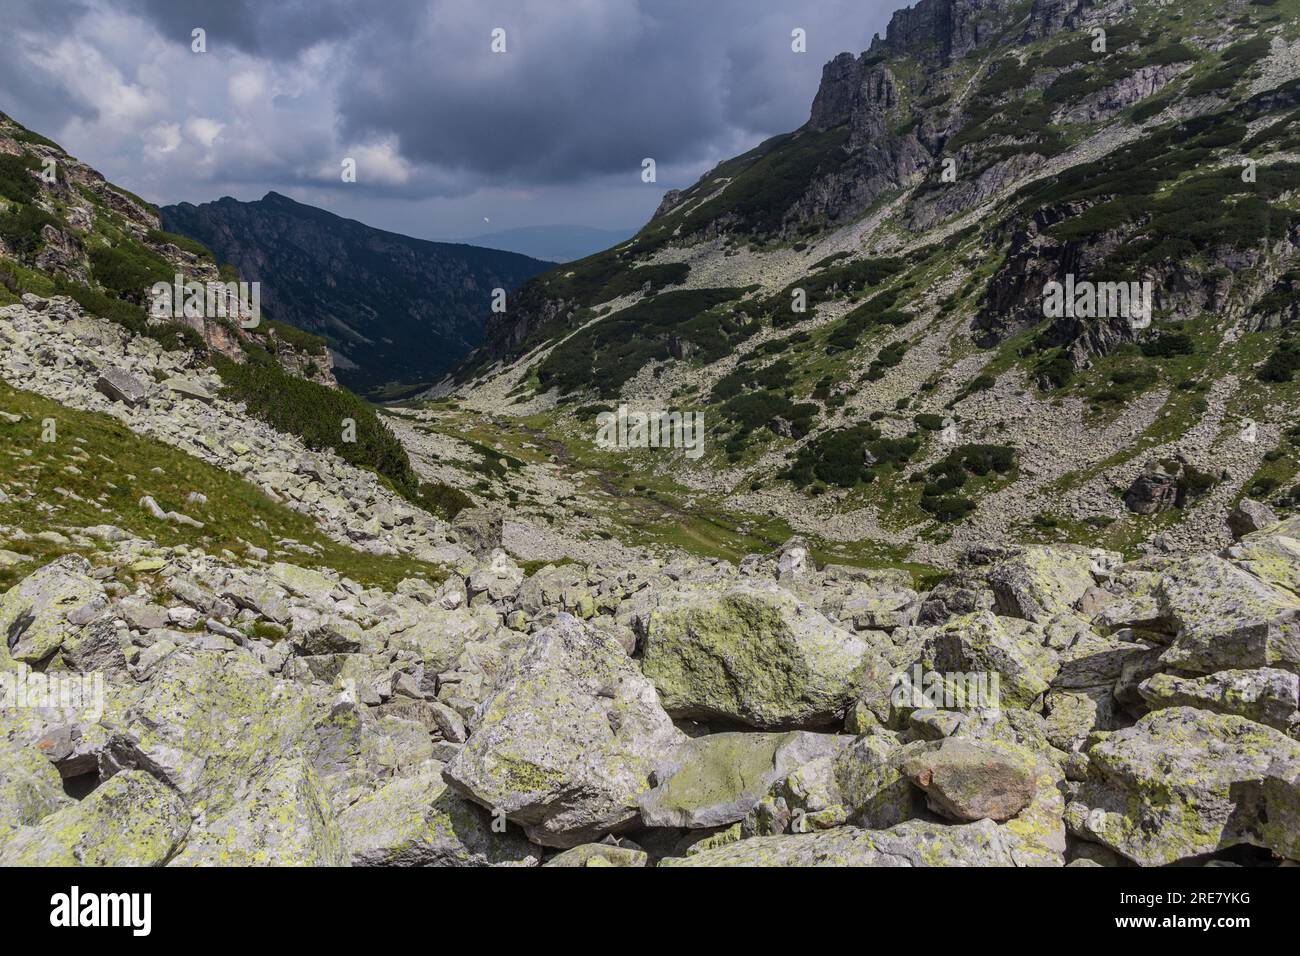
(395, 310)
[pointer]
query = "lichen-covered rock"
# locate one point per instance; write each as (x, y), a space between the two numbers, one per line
(120, 386)
(1267, 695)
(1184, 782)
(1272, 555)
(968, 780)
(418, 821)
(30, 787)
(208, 722)
(600, 854)
(915, 843)
(34, 612)
(132, 820)
(714, 780)
(1039, 582)
(859, 784)
(753, 654)
(566, 744)
(1228, 619)
(281, 819)
(983, 643)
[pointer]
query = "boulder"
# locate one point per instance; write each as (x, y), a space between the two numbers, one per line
(282, 819)
(1182, 782)
(30, 787)
(189, 388)
(417, 820)
(1266, 696)
(131, 820)
(858, 784)
(207, 723)
(1037, 583)
(714, 780)
(754, 654)
(566, 744)
(600, 854)
(966, 780)
(914, 843)
(982, 643)
(118, 386)
(1228, 619)
(478, 530)
(1250, 516)
(34, 613)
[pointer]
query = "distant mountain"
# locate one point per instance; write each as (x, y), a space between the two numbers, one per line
(557, 243)
(395, 311)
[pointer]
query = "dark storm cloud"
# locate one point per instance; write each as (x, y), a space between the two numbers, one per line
(277, 28)
(594, 88)
(554, 129)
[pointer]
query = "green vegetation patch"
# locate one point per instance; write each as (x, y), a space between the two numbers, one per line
(97, 470)
(605, 355)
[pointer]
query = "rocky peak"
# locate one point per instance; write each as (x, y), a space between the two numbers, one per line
(940, 31)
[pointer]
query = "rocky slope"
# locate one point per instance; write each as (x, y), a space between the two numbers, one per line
(396, 311)
(674, 713)
(66, 229)
(830, 298)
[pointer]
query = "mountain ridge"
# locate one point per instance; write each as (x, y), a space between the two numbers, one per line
(394, 309)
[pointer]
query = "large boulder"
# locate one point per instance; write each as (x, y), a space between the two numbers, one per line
(208, 723)
(1250, 516)
(120, 386)
(417, 820)
(566, 744)
(914, 843)
(754, 654)
(30, 787)
(34, 613)
(1181, 783)
(714, 780)
(1227, 618)
(132, 820)
(859, 784)
(985, 644)
(1039, 582)
(282, 819)
(1267, 695)
(1272, 555)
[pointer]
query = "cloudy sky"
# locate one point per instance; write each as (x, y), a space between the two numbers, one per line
(450, 139)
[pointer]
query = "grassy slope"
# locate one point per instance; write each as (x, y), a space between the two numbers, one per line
(110, 469)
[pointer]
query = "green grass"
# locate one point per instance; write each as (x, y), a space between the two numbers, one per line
(115, 468)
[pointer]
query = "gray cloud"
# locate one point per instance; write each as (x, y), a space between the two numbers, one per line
(554, 130)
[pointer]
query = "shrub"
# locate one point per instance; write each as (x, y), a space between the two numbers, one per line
(1283, 363)
(129, 269)
(16, 181)
(22, 228)
(1167, 345)
(947, 508)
